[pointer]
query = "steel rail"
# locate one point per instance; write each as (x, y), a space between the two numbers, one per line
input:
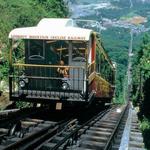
(75, 133)
(35, 139)
(7, 112)
(124, 143)
(25, 143)
(11, 122)
(18, 115)
(109, 142)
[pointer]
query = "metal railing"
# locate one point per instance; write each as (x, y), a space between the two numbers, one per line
(45, 80)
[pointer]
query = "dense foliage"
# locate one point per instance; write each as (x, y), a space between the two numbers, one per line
(118, 51)
(141, 77)
(141, 87)
(19, 13)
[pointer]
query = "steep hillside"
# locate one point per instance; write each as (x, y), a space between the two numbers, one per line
(117, 18)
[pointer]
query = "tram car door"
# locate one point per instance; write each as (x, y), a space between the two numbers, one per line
(78, 62)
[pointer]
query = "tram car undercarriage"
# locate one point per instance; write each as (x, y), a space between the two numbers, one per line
(58, 62)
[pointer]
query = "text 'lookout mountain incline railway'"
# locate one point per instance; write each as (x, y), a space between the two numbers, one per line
(57, 62)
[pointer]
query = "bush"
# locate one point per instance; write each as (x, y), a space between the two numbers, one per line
(145, 127)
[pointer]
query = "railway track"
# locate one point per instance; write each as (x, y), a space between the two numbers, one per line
(8, 117)
(103, 131)
(132, 137)
(21, 127)
(21, 131)
(36, 131)
(117, 130)
(12, 123)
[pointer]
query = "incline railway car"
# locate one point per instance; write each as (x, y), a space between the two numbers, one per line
(58, 62)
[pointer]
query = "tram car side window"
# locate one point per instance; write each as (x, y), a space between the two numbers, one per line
(78, 51)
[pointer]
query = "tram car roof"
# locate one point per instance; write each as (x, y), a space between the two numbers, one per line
(52, 29)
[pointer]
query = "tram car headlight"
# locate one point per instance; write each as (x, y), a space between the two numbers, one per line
(65, 86)
(22, 83)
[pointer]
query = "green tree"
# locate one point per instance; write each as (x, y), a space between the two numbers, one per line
(141, 77)
(141, 87)
(22, 13)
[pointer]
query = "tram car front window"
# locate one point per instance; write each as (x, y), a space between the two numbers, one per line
(35, 49)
